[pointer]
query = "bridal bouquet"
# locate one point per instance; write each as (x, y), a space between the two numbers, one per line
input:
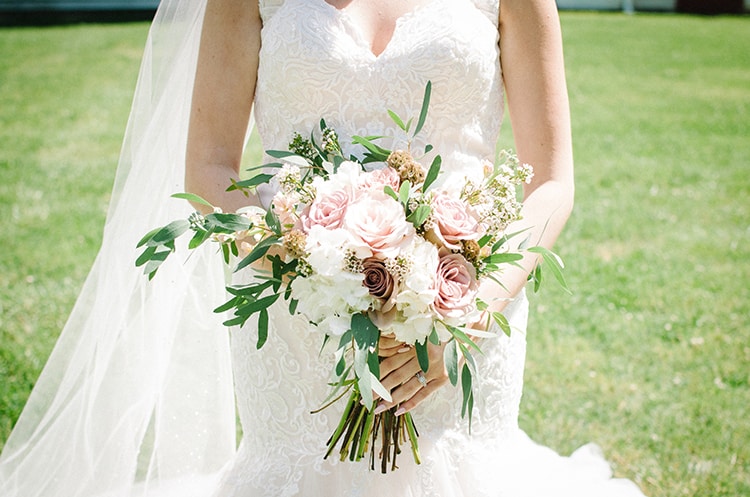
(367, 253)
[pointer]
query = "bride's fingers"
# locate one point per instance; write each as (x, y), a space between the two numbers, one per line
(420, 395)
(403, 392)
(393, 363)
(389, 346)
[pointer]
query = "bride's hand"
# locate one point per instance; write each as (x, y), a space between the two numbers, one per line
(399, 370)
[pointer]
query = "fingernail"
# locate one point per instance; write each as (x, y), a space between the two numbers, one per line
(380, 408)
(404, 349)
(399, 411)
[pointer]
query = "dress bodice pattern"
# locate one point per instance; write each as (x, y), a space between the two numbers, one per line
(315, 64)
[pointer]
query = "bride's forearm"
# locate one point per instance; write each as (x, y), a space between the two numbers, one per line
(545, 212)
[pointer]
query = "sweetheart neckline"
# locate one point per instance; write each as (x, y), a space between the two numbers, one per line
(356, 31)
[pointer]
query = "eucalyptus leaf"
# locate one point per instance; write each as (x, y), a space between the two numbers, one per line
(553, 263)
(170, 232)
(468, 394)
(377, 153)
(252, 182)
(502, 322)
(366, 334)
(262, 328)
(388, 189)
(450, 356)
(503, 258)
(145, 256)
(198, 238)
(191, 197)
(432, 173)
(147, 237)
(403, 193)
(420, 215)
(280, 154)
(425, 106)
(422, 355)
(397, 120)
(228, 221)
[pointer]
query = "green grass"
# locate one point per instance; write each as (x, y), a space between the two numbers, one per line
(650, 357)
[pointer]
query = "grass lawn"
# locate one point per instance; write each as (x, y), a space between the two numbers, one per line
(650, 357)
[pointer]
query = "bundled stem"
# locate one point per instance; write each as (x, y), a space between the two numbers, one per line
(360, 428)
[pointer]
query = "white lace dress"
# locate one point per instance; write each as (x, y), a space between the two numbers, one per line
(314, 64)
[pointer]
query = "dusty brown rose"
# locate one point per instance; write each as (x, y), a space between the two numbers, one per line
(381, 285)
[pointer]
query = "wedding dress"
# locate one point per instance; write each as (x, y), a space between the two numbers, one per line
(164, 427)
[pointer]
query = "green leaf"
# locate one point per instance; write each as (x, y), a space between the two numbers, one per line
(228, 221)
(377, 153)
(198, 238)
(229, 304)
(147, 237)
(280, 154)
(422, 355)
(366, 334)
(553, 262)
(537, 277)
(428, 148)
(262, 328)
(169, 232)
(434, 338)
(191, 197)
(503, 258)
(468, 394)
(153, 264)
(145, 256)
(273, 222)
(253, 306)
(254, 181)
(425, 106)
(397, 120)
(403, 193)
(258, 251)
(501, 321)
(450, 356)
(388, 189)
(432, 173)
(463, 338)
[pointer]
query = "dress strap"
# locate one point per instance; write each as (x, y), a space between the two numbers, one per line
(490, 8)
(268, 8)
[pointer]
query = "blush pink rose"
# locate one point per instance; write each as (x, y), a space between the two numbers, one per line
(452, 222)
(327, 211)
(379, 178)
(379, 222)
(456, 285)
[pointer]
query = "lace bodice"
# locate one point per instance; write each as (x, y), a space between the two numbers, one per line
(314, 64)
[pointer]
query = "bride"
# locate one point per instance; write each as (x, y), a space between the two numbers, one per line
(140, 395)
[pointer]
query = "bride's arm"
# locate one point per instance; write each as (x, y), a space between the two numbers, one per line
(534, 79)
(222, 100)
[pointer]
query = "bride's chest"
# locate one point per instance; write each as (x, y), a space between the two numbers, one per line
(447, 36)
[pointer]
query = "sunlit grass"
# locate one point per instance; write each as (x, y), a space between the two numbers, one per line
(650, 357)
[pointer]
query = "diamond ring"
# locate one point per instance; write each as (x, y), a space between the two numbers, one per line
(421, 379)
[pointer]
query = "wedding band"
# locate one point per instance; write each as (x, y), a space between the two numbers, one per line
(421, 379)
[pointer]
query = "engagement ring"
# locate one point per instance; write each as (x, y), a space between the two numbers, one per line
(421, 379)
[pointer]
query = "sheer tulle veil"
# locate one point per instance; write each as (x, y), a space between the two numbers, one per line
(137, 393)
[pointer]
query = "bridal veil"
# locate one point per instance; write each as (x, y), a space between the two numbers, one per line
(138, 392)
